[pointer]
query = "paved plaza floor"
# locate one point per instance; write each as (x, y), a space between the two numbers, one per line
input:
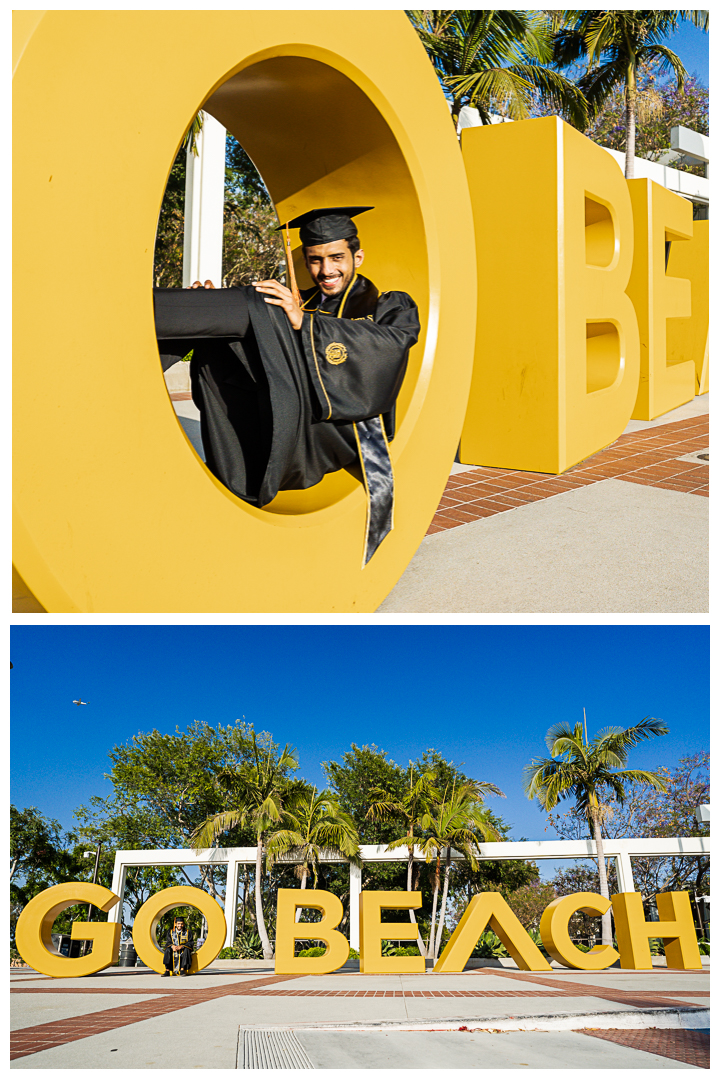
(624, 531)
(240, 1016)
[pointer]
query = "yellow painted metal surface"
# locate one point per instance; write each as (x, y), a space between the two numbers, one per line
(556, 938)
(659, 215)
(373, 932)
(490, 909)
(152, 911)
(675, 927)
(288, 931)
(557, 354)
(34, 929)
(687, 339)
(114, 510)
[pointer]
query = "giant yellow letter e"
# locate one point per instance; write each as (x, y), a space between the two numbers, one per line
(676, 928)
(287, 932)
(34, 929)
(659, 216)
(484, 909)
(373, 932)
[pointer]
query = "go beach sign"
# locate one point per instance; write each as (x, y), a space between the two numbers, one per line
(486, 910)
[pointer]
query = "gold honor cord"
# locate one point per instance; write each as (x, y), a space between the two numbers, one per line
(291, 270)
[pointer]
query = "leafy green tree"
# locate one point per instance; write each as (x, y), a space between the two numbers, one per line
(252, 249)
(529, 901)
(581, 770)
(259, 792)
(458, 820)
(313, 824)
(669, 108)
(36, 842)
(170, 237)
(616, 45)
(362, 771)
(408, 811)
(496, 61)
(41, 856)
(653, 813)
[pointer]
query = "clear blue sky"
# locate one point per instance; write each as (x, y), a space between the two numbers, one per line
(484, 696)
(692, 46)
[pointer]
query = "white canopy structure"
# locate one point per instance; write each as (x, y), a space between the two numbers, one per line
(620, 850)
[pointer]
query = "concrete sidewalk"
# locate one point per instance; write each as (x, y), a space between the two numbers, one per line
(231, 1017)
(625, 531)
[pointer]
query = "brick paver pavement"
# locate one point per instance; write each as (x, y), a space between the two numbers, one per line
(166, 999)
(646, 457)
(690, 1047)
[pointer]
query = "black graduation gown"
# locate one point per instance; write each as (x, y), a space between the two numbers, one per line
(281, 408)
(182, 959)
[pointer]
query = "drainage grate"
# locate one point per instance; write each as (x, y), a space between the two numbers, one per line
(260, 1048)
(696, 456)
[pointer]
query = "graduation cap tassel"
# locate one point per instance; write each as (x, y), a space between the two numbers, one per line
(291, 270)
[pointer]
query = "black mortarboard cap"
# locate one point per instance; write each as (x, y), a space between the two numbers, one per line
(327, 224)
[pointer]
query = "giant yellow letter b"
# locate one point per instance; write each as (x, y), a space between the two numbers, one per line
(556, 366)
(287, 932)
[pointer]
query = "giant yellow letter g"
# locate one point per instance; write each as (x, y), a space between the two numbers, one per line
(34, 929)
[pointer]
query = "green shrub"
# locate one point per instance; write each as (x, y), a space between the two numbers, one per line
(317, 951)
(229, 953)
(248, 945)
(353, 955)
(704, 947)
(489, 946)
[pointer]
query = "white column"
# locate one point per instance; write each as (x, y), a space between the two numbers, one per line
(118, 887)
(231, 891)
(623, 866)
(204, 197)
(355, 887)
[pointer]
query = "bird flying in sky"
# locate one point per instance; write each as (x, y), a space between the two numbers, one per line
(81, 702)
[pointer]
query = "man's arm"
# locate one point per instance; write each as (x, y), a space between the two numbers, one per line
(281, 296)
(357, 365)
(195, 313)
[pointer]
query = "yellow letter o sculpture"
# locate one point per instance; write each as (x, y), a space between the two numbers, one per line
(115, 512)
(34, 928)
(152, 911)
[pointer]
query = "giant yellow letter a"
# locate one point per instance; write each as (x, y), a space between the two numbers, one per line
(557, 355)
(490, 909)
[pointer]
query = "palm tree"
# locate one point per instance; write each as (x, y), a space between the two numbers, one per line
(414, 802)
(313, 824)
(583, 770)
(615, 45)
(261, 791)
(496, 60)
(456, 821)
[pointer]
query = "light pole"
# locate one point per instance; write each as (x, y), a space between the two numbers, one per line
(89, 855)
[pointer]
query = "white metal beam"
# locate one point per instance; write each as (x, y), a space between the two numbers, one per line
(621, 850)
(204, 200)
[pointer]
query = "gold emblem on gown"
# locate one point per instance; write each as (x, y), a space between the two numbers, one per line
(336, 353)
